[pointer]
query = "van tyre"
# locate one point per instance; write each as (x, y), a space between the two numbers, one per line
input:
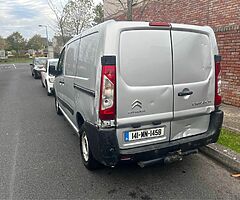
(35, 75)
(48, 93)
(87, 157)
(58, 111)
(42, 83)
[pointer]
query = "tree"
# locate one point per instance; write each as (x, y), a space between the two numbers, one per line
(78, 16)
(35, 42)
(98, 12)
(3, 43)
(126, 6)
(129, 9)
(60, 18)
(16, 42)
(72, 18)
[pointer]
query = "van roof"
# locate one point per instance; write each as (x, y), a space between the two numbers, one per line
(128, 24)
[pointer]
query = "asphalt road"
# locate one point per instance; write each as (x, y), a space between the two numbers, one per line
(39, 157)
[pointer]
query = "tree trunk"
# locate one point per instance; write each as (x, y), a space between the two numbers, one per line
(129, 10)
(63, 37)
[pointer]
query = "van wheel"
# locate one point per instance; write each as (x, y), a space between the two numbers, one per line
(88, 160)
(48, 93)
(42, 83)
(59, 112)
(35, 75)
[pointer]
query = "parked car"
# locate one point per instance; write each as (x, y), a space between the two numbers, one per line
(48, 75)
(139, 91)
(37, 66)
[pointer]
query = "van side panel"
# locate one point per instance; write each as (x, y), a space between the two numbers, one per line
(69, 72)
(193, 71)
(145, 76)
(85, 79)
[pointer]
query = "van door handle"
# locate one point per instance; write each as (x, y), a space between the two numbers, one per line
(185, 92)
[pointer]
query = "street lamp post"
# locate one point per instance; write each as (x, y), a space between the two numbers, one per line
(40, 25)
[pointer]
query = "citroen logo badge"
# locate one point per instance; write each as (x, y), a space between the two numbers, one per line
(137, 103)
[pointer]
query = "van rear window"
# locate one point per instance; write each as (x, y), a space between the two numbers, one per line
(145, 57)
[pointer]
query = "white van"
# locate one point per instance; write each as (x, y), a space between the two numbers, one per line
(48, 75)
(140, 91)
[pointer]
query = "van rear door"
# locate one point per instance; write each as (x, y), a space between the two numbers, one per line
(193, 79)
(144, 84)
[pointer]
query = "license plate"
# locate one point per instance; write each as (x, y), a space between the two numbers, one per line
(143, 134)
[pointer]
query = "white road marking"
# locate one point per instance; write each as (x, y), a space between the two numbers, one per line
(13, 175)
(14, 66)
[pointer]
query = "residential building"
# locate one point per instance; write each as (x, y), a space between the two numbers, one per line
(222, 15)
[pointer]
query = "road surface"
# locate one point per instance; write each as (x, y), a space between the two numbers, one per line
(39, 157)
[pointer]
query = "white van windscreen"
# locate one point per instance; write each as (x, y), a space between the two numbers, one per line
(145, 57)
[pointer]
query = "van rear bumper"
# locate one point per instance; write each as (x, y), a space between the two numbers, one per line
(105, 149)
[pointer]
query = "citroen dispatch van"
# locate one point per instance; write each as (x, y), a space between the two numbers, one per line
(140, 91)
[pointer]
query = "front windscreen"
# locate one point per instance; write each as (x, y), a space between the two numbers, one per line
(40, 61)
(52, 67)
(54, 63)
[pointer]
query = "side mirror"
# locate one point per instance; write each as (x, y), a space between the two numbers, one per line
(52, 70)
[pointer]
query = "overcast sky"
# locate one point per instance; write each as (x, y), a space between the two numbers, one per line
(25, 16)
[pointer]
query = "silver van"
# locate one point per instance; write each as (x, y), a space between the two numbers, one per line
(140, 91)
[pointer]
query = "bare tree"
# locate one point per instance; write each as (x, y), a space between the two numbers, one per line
(58, 10)
(73, 17)
(79, 16)
(129, 9)
(126, 6)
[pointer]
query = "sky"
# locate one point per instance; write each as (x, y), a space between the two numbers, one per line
(25, 16)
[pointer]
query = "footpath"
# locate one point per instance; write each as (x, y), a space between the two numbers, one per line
(222, 154)
(231, 118)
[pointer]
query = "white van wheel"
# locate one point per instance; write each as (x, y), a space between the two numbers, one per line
(35, 76)
(85, 147)
(59, 112)
(48, 93)
(42, 84)
(88, 160)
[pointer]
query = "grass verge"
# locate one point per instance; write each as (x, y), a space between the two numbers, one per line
(230, 139)
(16, 60)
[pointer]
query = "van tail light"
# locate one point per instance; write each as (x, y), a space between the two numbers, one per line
(107, 110)
(218, 98)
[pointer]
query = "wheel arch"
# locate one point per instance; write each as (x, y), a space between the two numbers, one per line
(80, 120)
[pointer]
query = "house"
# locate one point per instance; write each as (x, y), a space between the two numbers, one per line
(222, 15)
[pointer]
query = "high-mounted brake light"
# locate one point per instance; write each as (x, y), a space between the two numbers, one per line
(159, 24)
(107, 106)
(218, 98)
